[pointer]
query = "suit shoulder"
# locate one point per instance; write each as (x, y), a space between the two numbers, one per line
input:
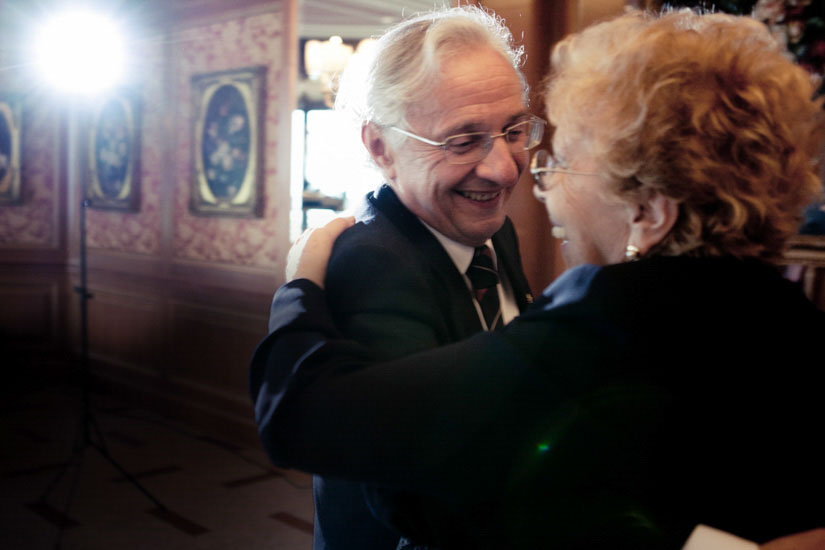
(508, 230)
(375, 232)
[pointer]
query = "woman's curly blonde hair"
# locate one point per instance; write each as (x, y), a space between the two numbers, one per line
(702, 108)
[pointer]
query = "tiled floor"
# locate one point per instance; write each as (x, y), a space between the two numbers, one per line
(216, 495)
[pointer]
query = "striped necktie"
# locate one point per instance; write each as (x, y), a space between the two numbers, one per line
(484, 278)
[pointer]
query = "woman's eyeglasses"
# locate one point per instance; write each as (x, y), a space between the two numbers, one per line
(545, 163)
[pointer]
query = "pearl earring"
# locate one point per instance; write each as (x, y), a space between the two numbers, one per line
(631, 253)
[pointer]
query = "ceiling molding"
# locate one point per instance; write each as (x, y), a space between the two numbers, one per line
(354, 19)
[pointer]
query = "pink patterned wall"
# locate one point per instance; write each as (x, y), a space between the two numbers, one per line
(246, 42)
(33, 223)
(139, 232)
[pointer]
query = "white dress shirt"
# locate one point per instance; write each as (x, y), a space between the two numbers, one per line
(462, 256)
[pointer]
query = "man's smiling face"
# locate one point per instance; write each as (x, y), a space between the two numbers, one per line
(477, 92)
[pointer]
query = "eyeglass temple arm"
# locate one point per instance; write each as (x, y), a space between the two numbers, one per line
(442, 143)
(419, 138)
(545, 170)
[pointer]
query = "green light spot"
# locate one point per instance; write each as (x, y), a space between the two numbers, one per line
(543, 447)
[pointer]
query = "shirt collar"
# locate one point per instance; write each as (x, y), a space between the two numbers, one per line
(461, 254)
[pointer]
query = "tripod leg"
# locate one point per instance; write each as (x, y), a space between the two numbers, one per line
(70, 498)
(77, 453)
(56, 479)
(128, 476)
(91, 423)
(87, 418)
(100, 446)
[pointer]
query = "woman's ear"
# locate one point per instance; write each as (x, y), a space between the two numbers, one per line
(372, 136)
(651, 221)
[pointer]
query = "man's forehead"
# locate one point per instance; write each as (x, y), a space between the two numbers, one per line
(445, 122)
(468, 97)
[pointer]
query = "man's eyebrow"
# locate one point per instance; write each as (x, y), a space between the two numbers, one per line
(471, 127)
(464, 128)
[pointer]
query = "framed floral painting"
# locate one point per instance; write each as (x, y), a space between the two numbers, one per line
(227, 142)
(10, 120)
(113, 175)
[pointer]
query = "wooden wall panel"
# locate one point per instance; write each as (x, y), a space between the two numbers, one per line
(29, 312)
(126, 328)
(185, 359)
(33, 306)
(213, 345)
(583, 13)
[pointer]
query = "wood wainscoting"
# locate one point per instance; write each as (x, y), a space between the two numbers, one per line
(178, 337)
(32, 308)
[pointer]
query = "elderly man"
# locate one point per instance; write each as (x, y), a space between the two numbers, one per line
(443, 115)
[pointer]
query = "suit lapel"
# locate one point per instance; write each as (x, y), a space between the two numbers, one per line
(431, 254)
(505, 242)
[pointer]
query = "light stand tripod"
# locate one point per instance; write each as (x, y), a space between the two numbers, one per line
(88, 423)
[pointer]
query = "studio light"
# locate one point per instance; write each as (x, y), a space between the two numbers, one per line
(80, 52)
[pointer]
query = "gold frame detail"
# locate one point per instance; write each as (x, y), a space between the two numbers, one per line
(10, 183)
(106, 153)
(227, 133)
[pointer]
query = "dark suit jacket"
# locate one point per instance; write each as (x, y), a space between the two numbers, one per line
(392, 286)
(629, 404)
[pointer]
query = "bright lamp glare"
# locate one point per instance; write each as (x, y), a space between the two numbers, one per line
(80, 52)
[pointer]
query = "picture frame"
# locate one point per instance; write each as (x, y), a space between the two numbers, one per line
(113, 160)
(227, 142)
(11, 111)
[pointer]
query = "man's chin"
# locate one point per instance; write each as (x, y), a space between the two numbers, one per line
(481, 233)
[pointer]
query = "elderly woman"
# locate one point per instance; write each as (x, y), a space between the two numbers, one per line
(664, 381)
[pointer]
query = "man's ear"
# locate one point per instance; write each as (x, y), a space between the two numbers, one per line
(372, 136)
(651, 221)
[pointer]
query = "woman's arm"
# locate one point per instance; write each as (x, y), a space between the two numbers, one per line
(324, 406)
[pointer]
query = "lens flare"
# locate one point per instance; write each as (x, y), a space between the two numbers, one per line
(80, 52)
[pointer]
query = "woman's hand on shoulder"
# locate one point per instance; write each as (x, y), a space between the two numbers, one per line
(309, 255)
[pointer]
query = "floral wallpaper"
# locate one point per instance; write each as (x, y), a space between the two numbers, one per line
(139, 232)
(34, 222)
(247, 42)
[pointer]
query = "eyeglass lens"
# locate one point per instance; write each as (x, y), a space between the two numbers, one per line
(541, 166)
(472, 147)
(542, 159)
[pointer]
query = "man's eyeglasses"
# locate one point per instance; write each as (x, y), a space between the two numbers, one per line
(544, 163)
(474, 146)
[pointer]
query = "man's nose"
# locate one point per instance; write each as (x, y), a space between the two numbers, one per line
(500, 164)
